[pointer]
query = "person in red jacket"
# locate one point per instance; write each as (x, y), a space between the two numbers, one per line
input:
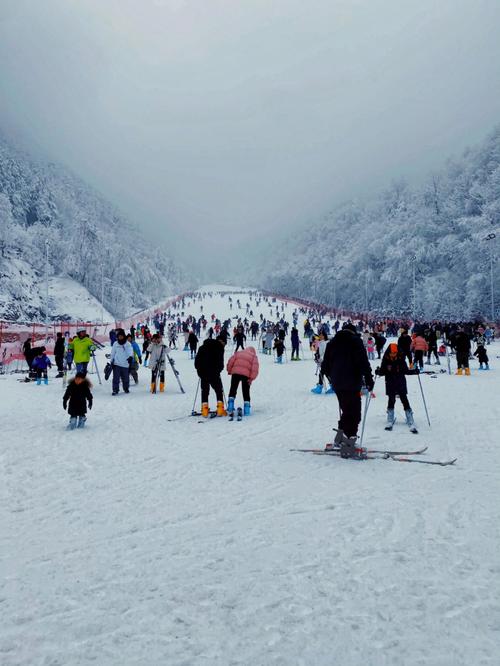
(243, 366)
(419, 347)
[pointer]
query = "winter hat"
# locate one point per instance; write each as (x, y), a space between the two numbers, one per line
(349, 327)
(393, 348)
(81, 330)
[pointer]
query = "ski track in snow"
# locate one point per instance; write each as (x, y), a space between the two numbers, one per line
(142, 541)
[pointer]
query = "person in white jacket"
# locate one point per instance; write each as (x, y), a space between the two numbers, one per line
(122, 356)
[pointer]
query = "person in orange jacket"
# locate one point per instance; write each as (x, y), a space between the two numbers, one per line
(419, 347)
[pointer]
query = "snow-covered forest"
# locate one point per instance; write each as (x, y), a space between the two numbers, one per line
(89, 241)
(363, 255)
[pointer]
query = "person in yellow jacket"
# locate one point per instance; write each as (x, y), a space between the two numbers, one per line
(82, 347)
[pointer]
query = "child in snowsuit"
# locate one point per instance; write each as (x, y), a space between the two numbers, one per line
(394, 369)
(78, 395)
(370, 347)
(40, 364)
(482, 357)
(280, 348)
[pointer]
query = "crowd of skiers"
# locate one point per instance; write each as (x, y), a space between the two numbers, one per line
(342, 352)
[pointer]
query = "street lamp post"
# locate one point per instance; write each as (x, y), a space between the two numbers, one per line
(491, 237)
(102, 294)
(47, 245)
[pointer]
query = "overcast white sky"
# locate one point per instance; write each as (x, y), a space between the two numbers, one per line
(214, 122)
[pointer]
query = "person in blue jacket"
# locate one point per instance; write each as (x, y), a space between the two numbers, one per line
(40, 364)
(134, 366)
(122, 356)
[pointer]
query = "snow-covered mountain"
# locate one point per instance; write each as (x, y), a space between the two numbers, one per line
(362, 255)
(90, 243)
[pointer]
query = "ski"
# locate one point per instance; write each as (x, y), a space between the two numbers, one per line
(442, 463)
(175, 371)
(334, 451)
(187, 416)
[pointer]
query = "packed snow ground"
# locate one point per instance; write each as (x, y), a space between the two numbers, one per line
(142, 541)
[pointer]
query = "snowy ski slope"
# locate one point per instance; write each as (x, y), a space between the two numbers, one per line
(139, 541)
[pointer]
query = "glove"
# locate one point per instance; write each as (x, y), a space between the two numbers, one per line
(377, 371)
(90, 404)
(130, 360)
(92, 348)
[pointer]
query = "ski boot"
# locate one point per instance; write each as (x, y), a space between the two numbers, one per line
(317, 389)
(330, 391)
(467, 371)
(230, 405)
(162, 387)
(486, 366)
(390, 419)
(481, 366)
(72, 423)
(81, 421)
(410, 422)
(46, 381)
(348, 448)
(220, 409)
(205, 410)
(459, 371)
(246, 409)
(38, 381)
(153, 387)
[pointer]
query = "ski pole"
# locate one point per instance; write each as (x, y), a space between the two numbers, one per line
(423, 400)
(196, 395)
(96, 368)
(367, 404)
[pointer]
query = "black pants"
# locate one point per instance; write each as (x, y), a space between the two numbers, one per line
(391, 401)
(41, 373)
(350, 411)
(462, 359)
(60, 363)
(245, 387)
(123, 374)
(295, 351)
(216, 384)
(133, 370)
(419, 357)
(432, 350)
(407, 355)
(239, 344)
(154, 375)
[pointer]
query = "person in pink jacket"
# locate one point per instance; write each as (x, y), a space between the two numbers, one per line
(419, 346)
(243, 366)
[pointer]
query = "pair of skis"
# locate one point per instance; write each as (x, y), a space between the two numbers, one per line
(381, 454)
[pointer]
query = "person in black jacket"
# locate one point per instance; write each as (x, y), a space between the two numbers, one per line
(346, 365)
(209, 363)
(59, 349)
(193, 343)
(394, 369)
(380, 341)
(461, 345)
(78, 394)
(404, 346)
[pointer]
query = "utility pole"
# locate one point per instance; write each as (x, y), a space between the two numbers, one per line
(414, 261)
(366, 291)
(47, 245)
(102, 294)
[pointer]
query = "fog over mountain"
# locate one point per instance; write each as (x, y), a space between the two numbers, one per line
(220, 126)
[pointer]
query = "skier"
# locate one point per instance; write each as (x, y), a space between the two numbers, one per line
(370, 347)
(295, 340)
(419, 347)
(404, 346)
(193, 343)
(318, 357)
(280, 349)
(122, 356)
(431, 339)
(461, 345)
(82, 347)
(78, 394)
(40, 364)
(134, 366)
(209, 363)
(482, 357)
(379, 343)
(240, 338)
(243, 367)
(394, 369)
(346, 365)
(157, 362)
(59, 349)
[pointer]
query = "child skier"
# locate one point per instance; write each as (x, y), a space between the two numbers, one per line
(40, 364)
(243, 366)
(394, 369)
(78, 394)
(157, 362)
(482, 357)
(280, 348)
(370, 347)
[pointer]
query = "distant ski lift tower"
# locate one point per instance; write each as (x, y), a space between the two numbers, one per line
(47, 246)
